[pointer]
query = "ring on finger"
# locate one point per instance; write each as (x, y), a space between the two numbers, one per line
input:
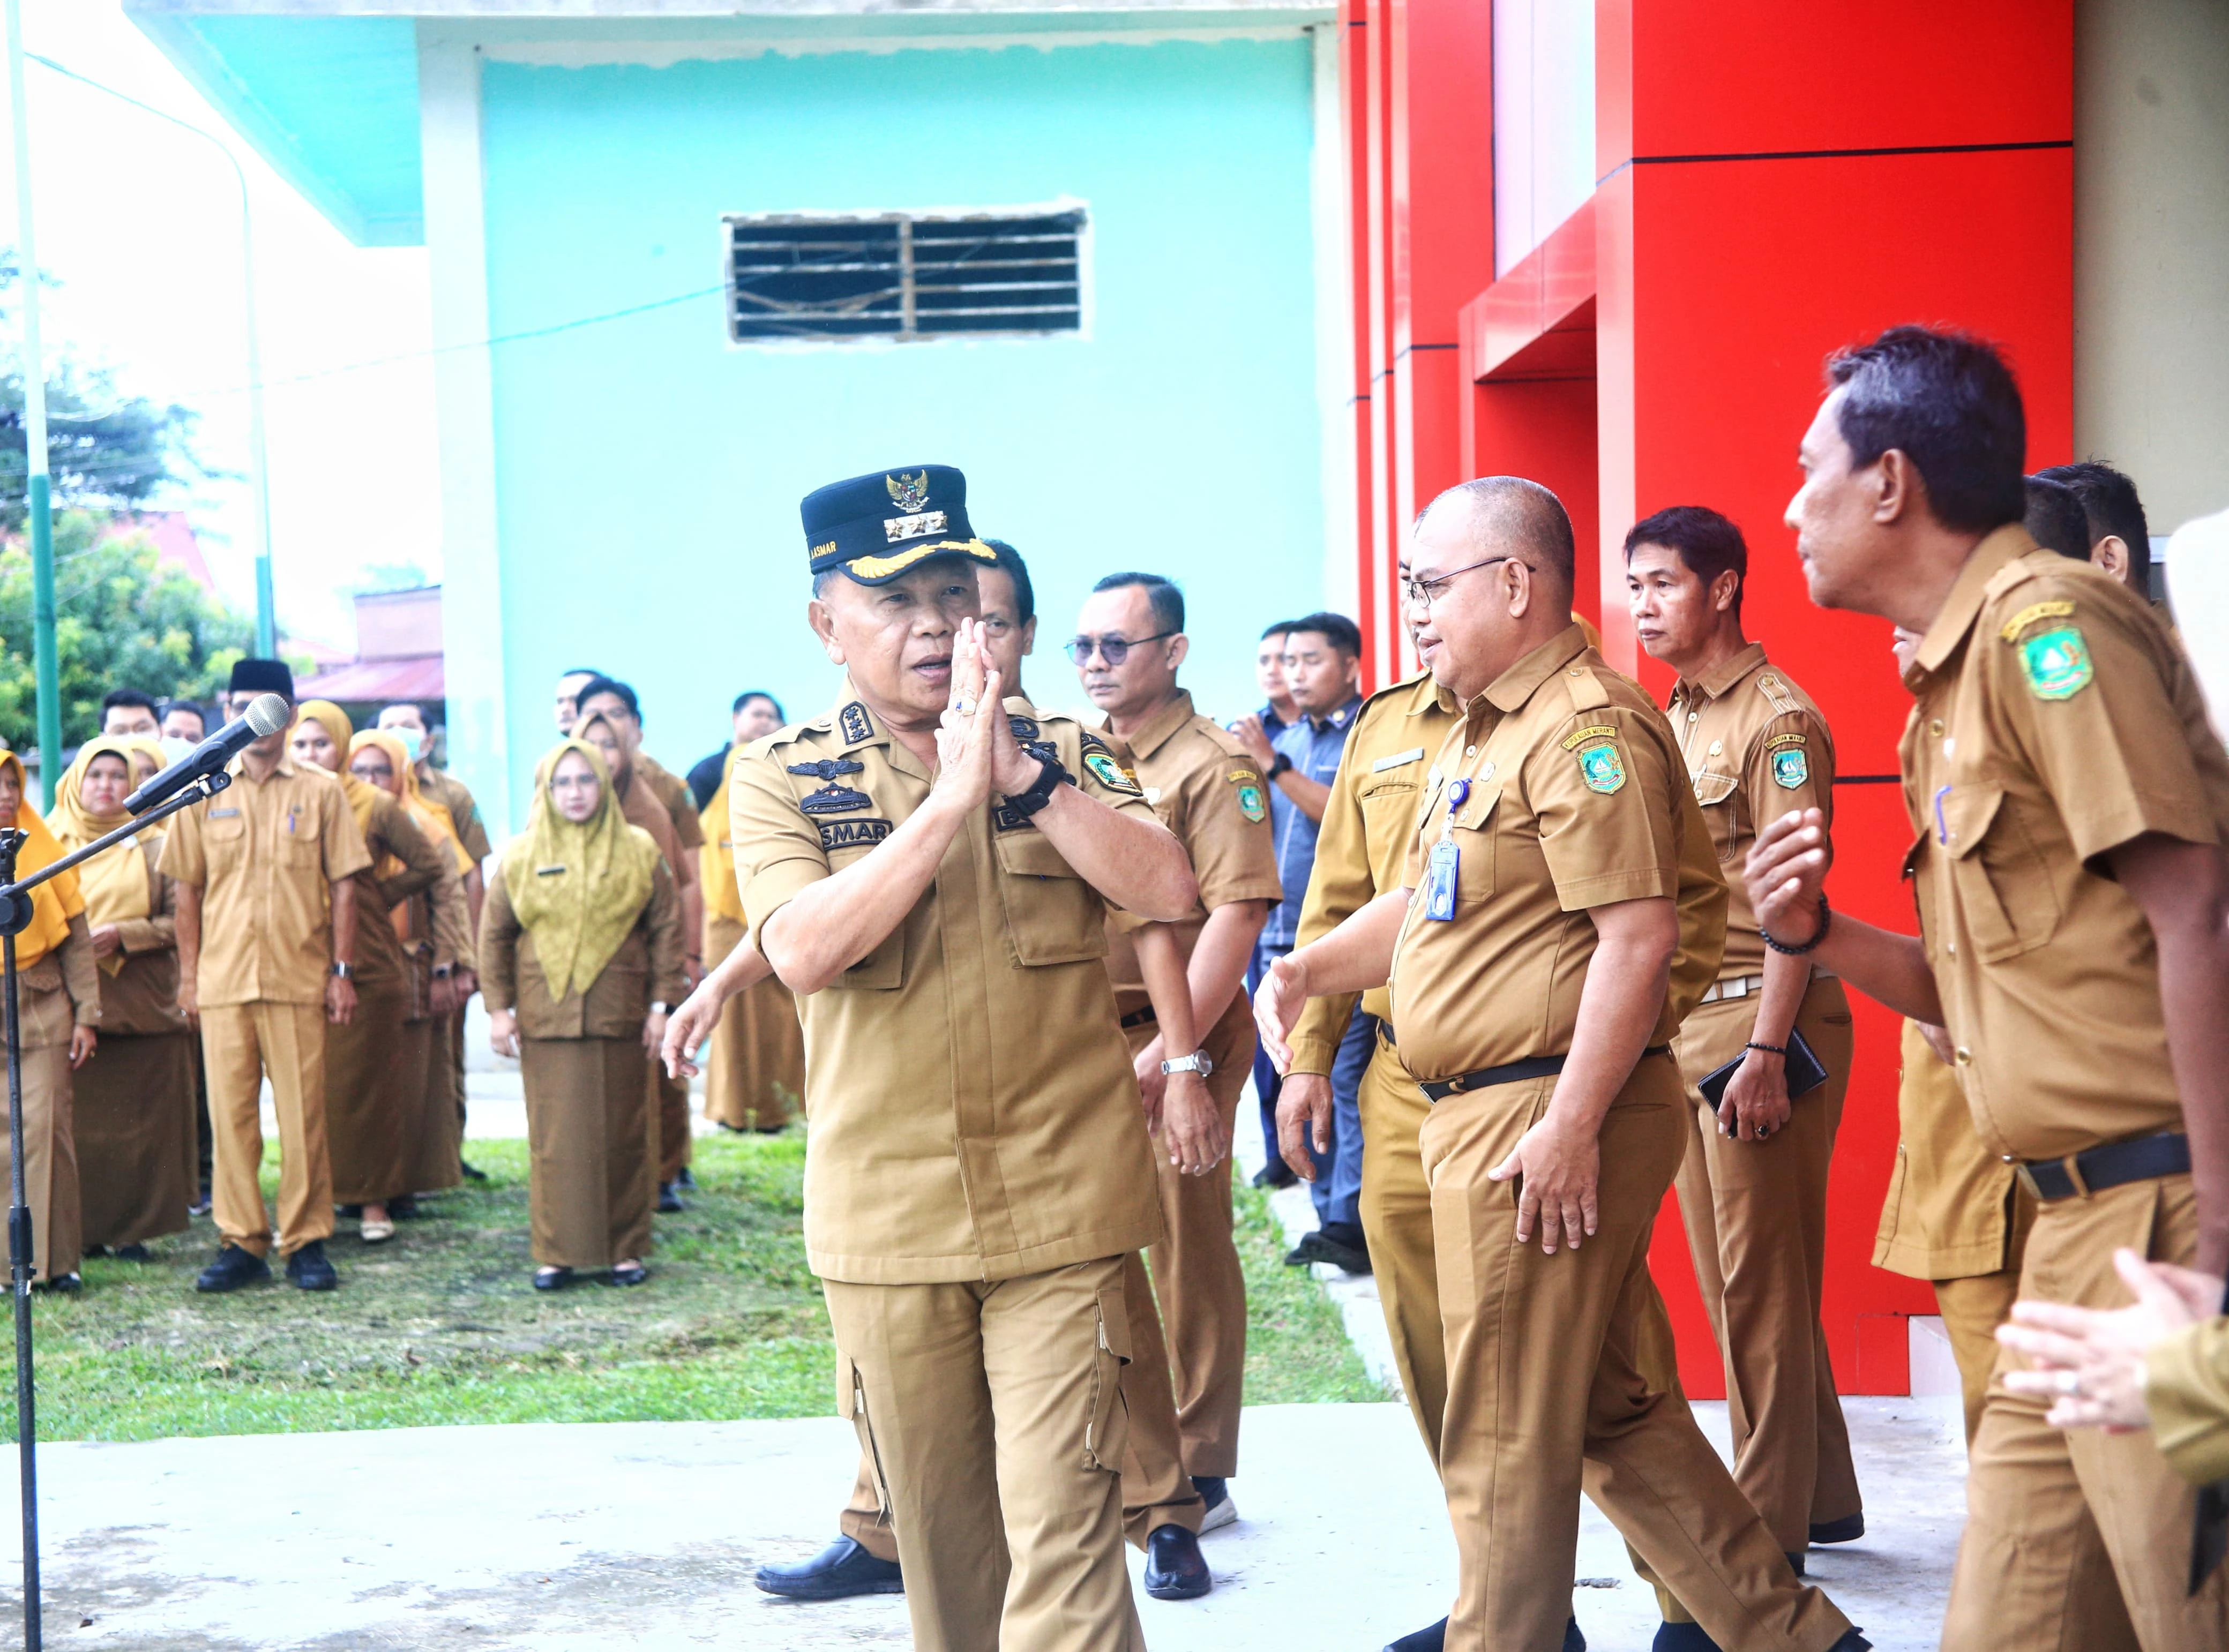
(2070, 1382)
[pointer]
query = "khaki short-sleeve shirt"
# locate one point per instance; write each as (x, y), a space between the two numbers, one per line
(674, 797)
(970, 1108)
(2053, 720)
(453, 794)
(1206, 790)
(1755, 748)
(265, 854)
(1572, 800)
(1363, 842)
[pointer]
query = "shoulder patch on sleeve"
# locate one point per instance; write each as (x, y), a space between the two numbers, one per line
(2056, 662)
(1592, 732)
(1601, 764)
(1109, 773)
(1791, 767)
(1251, 802)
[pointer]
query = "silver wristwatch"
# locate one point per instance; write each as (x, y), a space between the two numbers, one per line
(1195, 1062)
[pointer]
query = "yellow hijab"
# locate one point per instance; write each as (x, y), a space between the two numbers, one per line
(429, 816)
(115, 882)
(361, 798)
(57, 900)
(717, 859)
(578, 889)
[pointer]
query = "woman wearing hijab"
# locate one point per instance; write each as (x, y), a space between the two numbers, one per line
(368, 1104)
(755, 1079)
(640, 806)
(580, 955)
(435, 931)
(60, 1003)
(133, 1109)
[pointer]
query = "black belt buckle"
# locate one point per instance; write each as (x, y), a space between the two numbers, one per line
(2143, 1158)
(1137, 1018)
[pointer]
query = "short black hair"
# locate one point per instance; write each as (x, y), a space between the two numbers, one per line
(1026, 594)
(1533, 515)
(133, 697)
(1947, 401)
(1278, 629)
(1338, 630)
(1167, 601)
(2054, 518)
(750, 694)
(1709, 542)
(600, 684)
(2110, 501)
(193, 706)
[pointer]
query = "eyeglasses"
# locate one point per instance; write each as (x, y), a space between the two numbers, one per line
(1114, 649)
(1424, 593)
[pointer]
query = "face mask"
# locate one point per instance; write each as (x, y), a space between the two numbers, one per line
(176, 747)
(411, 739)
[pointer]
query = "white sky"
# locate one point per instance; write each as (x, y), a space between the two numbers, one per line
(140, 224)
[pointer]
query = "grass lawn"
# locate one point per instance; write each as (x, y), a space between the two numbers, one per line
(441, 1324)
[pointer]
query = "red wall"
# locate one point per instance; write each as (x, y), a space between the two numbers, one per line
(1777, 183)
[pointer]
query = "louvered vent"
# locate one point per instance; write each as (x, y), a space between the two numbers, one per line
(904, 276)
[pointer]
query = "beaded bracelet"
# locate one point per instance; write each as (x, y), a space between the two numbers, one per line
(1826, 921)
(1770, 1049)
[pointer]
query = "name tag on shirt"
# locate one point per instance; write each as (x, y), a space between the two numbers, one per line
(549, 871)
(1414, 755)
(223, 814)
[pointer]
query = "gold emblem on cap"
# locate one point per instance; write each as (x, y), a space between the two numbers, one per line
(910, 492)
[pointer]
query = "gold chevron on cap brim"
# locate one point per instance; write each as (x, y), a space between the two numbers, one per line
(881, 568)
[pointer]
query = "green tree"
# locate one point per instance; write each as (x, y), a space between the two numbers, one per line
(120, 623)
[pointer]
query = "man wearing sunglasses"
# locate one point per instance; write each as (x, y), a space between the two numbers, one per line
(1128, 644)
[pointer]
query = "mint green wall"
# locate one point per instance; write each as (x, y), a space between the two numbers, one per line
(648, 473)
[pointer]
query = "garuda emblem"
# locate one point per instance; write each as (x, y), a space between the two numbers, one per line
(909, 493)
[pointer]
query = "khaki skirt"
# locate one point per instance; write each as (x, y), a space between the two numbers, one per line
(369, 1107)
(138, 1158)
(588, 1128)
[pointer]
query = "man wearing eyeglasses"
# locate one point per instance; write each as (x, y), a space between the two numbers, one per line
(1322, 670)
(1533, 948)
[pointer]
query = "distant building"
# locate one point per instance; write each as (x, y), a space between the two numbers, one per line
(688, 266)
(398, 654)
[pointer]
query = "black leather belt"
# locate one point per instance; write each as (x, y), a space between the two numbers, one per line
(2110, 1166)
(1538, 1066)
(1137, 1018)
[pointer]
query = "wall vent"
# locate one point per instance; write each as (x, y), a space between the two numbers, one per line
(904, 276)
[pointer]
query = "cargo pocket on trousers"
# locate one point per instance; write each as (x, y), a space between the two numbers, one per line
(851, 1402)
(1103, 1447)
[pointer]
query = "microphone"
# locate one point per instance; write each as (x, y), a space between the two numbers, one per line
(266, 714)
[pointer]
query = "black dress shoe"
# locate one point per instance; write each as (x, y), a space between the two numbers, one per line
(472, 1172)
(1848, 1530)
(404, 1207)
(201, 1206)
(233, 1268)
(1175, 1569)
(1276, 1174)
(67, 1284)
(1682, 1637)
(1573, 1640)
(838, 1571)
(686, 1178)
(1328, 1245)
(632, 1273)
(1433, 1639)
(1852, 1640)
(95, 1252)
(668, 1200)
(132, 1253)
(310, 1270)
(552, 1278)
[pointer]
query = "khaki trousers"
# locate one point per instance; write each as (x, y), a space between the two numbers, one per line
(2053, 1517)
(1156, 1490)
(992, 1414)
(1546, 1398)
(1196, 1276)
(50, 1173)
(1972, 1309)
(240, 1045)
(1756, 1215)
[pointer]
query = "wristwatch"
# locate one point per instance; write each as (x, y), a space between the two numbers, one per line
(1279, 764)
(1195, 1062)
(342, 971)
(1026, 804)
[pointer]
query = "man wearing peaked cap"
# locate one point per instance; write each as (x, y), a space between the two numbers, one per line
(929, 871)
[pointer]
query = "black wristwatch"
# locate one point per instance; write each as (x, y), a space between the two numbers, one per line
(1279, 764)
(1051, 774)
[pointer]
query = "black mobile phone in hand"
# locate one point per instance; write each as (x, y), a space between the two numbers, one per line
(1806, 1071)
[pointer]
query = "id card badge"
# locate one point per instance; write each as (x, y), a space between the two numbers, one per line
(1440, 869)
(1445, 861)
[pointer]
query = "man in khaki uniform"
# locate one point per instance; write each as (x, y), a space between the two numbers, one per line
(928, 869)
(2070, 800)
(1753, 1184)
(1529, 955)
(266, 939)
(1210, 794)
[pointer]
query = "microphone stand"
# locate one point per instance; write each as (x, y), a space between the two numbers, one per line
(15, 916)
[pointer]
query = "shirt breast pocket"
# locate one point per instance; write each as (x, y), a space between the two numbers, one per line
(224, 840)
(1389, 806)
(1052, 915)
(1473, 836)
(882, 969)
(2003, 888)
(1717, 794)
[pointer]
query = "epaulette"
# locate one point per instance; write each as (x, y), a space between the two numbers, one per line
(1775, 692)
(1585, 688)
